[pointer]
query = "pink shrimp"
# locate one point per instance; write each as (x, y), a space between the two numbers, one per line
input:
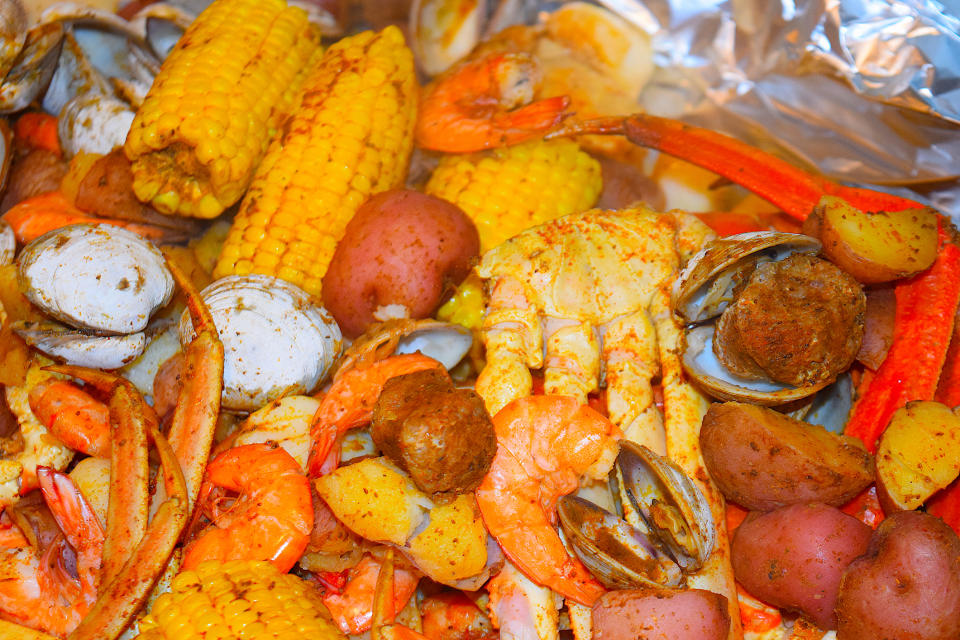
(349, 403)
(353, 607)
(36, 588)
(272, 517)
(476, 105)
(544, 445)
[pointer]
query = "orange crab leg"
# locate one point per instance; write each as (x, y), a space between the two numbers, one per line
(130, 416)
(790, 188)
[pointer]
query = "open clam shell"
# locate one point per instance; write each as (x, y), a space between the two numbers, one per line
(670, 504)
(13, 33)
(277, 340)
(32, 69)
(97, 277)
(701, 363)
(619, 555)
(93, 123)
(444, 32)
(706, 285)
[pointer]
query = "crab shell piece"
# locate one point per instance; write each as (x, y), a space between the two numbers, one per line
(277, 341)
(96, 277)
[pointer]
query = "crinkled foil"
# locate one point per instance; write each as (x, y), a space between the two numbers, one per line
(867, 91)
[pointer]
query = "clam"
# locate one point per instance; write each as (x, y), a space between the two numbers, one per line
(94, 123)
(445, 342)
(8, 241)
(674, 533)
(444, 31)
(13, 33)
(6, 153)
(32, 69)
(709, 286)
(101, 278)
(619, 555)
(277, 340)
(99, 352)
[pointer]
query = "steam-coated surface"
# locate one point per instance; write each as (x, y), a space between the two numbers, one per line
(793, 557)
(763, 459)
(660, 614)
(906, 586)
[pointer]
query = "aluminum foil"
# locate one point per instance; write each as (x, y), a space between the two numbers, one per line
(867, 91)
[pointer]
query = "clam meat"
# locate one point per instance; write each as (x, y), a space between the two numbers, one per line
(674, 533)
(277, 340)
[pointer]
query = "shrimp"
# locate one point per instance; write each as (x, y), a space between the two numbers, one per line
(36, 589)
(272, 517)
(545, 443)
(477, 105)
(451, 615)
(353, 607)
(77, 419)
(349, 403)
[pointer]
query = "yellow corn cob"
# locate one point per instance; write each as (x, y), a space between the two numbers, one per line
(510, 189)
(237, 599)
(220, 96)
(351, 137)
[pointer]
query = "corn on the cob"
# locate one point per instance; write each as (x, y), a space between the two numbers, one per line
(351, 137)
(220, 96)
(237, 599)
(510, 189)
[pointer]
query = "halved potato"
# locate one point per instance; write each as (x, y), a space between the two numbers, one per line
(918, 454)
(454, 545)
(874, 246)
(375, 500)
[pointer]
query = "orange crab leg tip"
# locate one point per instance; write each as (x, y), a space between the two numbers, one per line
(102, 380)
(199, 313)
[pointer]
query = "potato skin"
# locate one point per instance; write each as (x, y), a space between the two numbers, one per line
(402, 247)
(794, 557)
(906, 586)
(762, 459)
(660, 614)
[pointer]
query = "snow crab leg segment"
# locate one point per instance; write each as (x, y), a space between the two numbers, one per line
(119, 602)
(790, 188)
(349, 403)
(129, 464)
(520, 607)
(513, 337)
(684, 408)
(925, 313)
(630, 354)
(198, 405)
(544, 444)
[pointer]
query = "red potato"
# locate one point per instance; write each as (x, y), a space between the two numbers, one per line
(660, 614)
(401, 248)
(906, 586)
(793, 557)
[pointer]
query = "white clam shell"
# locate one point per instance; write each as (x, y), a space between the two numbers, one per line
(8, 243)
(96, 277)
(94, 123)
(97, 352)
(277, 341)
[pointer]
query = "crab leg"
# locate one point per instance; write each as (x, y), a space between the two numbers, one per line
(790, 188)
(129, 465)
(684, 408)
(119, 602)
(198, 406)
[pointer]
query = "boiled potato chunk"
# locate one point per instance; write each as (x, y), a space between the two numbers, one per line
(874, 246)
(375, 499)
(918, 454)
(454, 544)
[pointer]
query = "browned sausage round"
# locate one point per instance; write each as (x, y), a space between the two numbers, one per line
(442, 436)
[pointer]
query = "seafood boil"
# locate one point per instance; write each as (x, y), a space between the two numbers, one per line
(317, 330)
